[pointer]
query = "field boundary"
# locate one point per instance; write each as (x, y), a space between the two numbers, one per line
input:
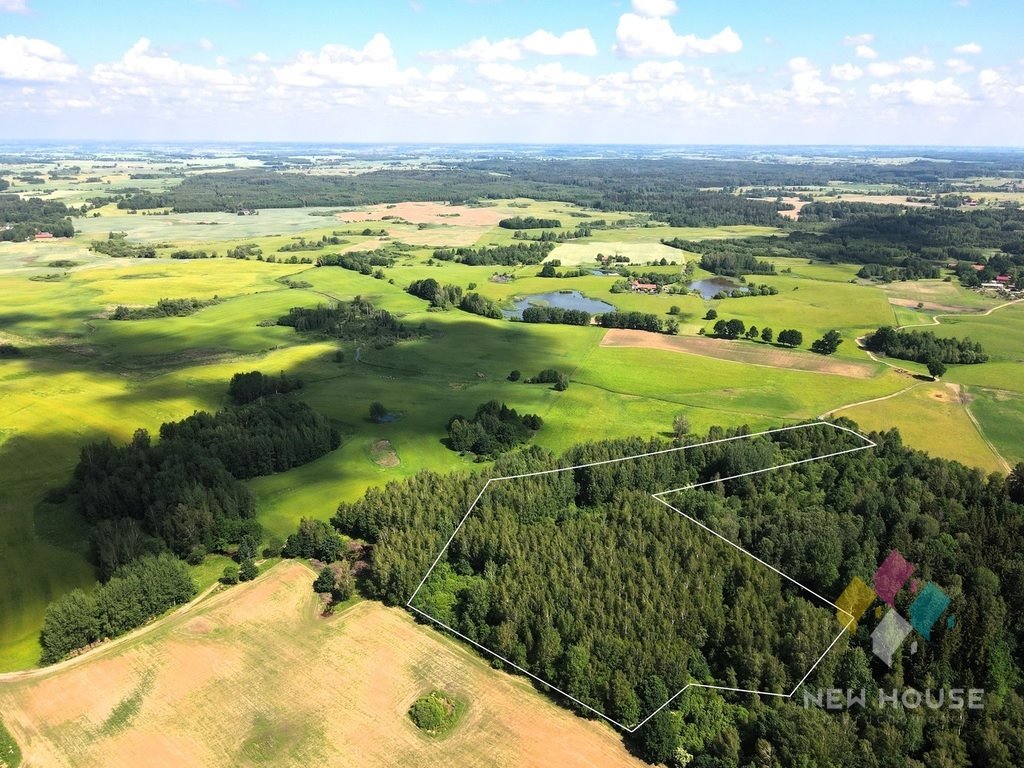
(868, 443)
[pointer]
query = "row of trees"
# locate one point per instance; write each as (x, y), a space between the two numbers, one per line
(529, 222)
(505, 255)
(640, 321)
(364, 262)
(254, 385)
(581, 578)
(136, 593)
(556, 315)
(163, 308)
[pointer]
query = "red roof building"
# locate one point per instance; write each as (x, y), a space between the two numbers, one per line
(43, 236)
(1003, 278)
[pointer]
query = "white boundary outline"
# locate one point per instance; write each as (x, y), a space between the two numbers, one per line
(658, 496)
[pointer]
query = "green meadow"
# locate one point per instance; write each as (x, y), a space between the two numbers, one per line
(82, 377)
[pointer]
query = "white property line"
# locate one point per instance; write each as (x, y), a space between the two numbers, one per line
(657, 496)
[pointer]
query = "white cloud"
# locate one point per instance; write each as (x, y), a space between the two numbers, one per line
(916, 64)
(862, 39)
(865, 52)
(442, 73)
(846, 72)
(140, 66)
(542, 74)
(800, 64)
(988, 77)
(959, 66)
(651, 36)
(206, 44)
(259, 57)
(13, 6)
(374, 65)
(655, 8)
(909, 64)
(31, 59)
(806, 86)
(921, 92)
(971, 48)
(575, 42)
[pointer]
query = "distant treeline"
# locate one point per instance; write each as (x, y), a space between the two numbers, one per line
(529, 222)
(924, 347)
(163, 308)
(505, 255)
(136, 593)
(25, 217)
(639, 321)
(356, 320)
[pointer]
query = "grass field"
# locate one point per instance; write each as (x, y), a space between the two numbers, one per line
(255, 676)
(82, 377)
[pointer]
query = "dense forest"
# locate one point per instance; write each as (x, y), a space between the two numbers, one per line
(184, 493)
(583, 579)
(924, 347)
(25, 217)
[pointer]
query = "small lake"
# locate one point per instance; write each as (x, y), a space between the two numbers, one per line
(560, 299)
(712, 286)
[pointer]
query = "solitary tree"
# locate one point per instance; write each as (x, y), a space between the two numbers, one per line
(680, 426)
(674, 309)
(827, 344)
(752, 332)
(791, 338)
(711, 315)
(377, 411)
(767, 334)
(936, 367)
(248, 571)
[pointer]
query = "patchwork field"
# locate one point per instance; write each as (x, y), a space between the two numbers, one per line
(82, 377)
(254, 676)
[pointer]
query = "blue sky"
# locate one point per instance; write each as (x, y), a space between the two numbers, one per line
(633, 71)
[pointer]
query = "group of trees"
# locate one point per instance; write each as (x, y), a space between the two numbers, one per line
(364, 262)
(476, 304)
(21, 218)
(924, 347)
(910, 268)
(163, 308)
(254, 385)
(556, 315)
(184, 492)
(581, 578)
(640, 321)
(736, 328)
(529, 222)
(827, 344)
(721, 261)
(135, 593)
(505, 255)
(356, 320)
(117, 246)
(547, 376)
(440, 296)
(492, 430)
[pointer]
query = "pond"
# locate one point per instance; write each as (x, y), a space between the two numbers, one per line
(712, 286)
(560, 299)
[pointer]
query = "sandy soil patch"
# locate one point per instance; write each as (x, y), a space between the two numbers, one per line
(429, 213)
(931, 306)
(274, 683)
(383, 454)
(741, 352)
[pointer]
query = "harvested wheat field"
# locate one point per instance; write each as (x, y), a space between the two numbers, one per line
(740, 352)
(255, 675)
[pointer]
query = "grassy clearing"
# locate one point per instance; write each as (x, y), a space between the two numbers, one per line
(255, 676)
(930, 417)
(1001, 415)
(10, 752)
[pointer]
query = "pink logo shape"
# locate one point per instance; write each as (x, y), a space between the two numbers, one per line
(891, 576)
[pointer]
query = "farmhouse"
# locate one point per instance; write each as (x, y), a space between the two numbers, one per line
(43, 236)
(637, 287)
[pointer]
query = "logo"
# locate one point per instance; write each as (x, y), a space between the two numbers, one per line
(893, 629)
